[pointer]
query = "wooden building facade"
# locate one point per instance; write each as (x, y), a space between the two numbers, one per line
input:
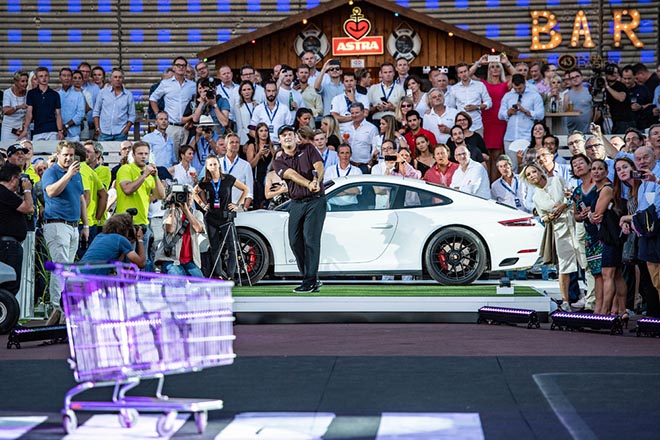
(442, 44)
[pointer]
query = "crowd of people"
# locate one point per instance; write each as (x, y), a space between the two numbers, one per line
(216, 143)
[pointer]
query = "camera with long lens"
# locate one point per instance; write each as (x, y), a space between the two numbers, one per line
(178, 195)
(210, 94)
(133, 234)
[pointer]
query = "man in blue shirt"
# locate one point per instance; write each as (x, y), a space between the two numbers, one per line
(73, 106)
(44, 109)
(162, 146)
(65, 208)
(177, 91)
(520, 107)
(114, 110)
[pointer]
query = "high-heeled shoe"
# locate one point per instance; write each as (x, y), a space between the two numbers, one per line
(625, 318)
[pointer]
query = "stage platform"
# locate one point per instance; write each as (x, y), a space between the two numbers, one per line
(375, 302)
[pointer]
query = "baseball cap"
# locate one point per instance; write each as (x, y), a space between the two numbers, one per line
(16, 148)
(284, 128)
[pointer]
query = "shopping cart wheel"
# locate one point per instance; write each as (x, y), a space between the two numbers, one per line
(128, 417)
(201, 421)
(165, 423)
(69, 422)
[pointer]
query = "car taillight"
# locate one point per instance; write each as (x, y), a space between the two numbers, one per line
(526, 221)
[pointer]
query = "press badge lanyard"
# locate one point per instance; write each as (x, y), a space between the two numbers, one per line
(386, 96)
(250, 111)
(348, 171)
(271, 116)
(224, 165)
(216, 189)
(325, 156)
(514, 192)
(222, 87)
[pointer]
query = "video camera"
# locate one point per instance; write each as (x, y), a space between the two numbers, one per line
(177, 195)
(597, 82)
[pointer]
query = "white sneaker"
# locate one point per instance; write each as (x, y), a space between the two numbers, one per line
(579, 304)
(564, 307)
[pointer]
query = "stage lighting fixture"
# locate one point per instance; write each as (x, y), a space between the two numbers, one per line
(648, 327)
(53, 334)
(582, 321)
(505, 315)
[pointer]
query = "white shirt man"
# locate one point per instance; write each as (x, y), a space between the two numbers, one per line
(341, 103)
(361, 136)
(177, 92)
(470, 177)
(239, 168)
(508, 189)
(343, 167)
(385, 96)
(440, 119)
(520, 107)
(272, 113)
(287, 96)
(161, 144)
(329, 156)
(470, 96)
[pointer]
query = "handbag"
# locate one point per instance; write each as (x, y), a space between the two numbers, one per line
(629, 254)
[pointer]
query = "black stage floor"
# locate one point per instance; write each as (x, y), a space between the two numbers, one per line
(607, 388)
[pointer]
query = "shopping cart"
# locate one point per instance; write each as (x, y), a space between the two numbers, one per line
(135, 325)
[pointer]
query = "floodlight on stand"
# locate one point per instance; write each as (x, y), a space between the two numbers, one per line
(648, 327)
(582, 321)
(505, 315)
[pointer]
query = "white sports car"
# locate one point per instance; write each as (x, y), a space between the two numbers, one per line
(378, 225)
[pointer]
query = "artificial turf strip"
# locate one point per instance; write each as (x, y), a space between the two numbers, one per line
(381, 290)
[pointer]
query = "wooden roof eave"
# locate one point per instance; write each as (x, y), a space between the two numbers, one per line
(333, 4)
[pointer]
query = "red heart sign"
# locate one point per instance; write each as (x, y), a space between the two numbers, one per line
(357, 29)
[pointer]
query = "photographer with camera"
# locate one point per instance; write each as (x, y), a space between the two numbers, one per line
(207, 103)
(205, 142)
(617, 101)
(116, 242)
(214, 195)
(178, 252)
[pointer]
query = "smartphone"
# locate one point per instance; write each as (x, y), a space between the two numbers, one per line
(494, 58)
(514, 106)
(391, 157)
(582, 206)
(592, 127)
(384, 99)
(639, 175)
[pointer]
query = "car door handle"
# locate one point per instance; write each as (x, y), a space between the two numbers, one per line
(382, 226)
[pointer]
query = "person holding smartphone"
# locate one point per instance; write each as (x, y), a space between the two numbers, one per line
(65, 208)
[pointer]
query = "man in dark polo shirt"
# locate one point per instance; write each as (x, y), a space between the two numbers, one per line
(12, 212)
(302, 167)
(44, 109)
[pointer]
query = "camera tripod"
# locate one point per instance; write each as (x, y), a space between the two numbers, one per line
(238, 254)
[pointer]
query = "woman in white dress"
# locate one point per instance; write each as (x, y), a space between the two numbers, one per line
(551, 205)
(14, 107)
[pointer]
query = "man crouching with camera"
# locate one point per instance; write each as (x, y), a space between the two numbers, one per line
(178, 252)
